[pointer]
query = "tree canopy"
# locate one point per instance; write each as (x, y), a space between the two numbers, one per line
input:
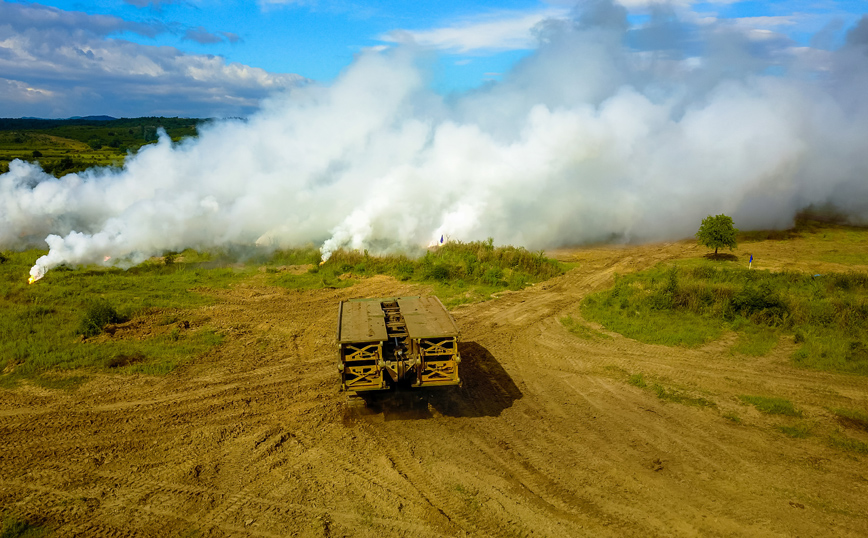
(716, 232)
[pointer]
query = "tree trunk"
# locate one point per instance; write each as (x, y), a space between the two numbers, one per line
(715, 251)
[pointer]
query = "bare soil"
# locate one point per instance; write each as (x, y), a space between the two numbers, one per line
(546, 438)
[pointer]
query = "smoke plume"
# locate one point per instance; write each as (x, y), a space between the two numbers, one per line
(606, 132)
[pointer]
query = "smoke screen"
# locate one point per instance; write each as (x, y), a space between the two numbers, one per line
(606, 131)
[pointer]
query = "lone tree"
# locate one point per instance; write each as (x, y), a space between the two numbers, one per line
(716, 232)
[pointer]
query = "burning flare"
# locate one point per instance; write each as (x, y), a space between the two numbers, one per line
(36, 272)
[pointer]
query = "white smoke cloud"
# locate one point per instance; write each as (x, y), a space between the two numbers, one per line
(587, 139)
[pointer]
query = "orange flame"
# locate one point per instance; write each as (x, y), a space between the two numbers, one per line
(32, 279)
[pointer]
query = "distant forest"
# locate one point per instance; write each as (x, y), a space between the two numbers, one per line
(37, 124)
(62, 146)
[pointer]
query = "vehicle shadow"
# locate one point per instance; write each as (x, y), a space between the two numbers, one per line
(487, 390)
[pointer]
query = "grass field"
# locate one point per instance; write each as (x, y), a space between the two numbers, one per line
(46, 327)
(56, 324)
(695, 301)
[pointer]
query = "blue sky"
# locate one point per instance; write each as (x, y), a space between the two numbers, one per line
(141, 52)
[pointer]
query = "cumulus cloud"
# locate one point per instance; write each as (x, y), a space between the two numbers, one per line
(56, 63)
(35, 17)
(588, 138)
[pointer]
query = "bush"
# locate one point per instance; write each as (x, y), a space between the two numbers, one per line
(437, 271)
(760, 304)
(493, 276)
(98, 314)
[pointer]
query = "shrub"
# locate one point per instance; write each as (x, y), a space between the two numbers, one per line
(493, 276)
(437, 271)
(760, 304)
(97, 315)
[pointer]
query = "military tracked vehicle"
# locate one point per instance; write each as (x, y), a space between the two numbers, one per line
(383, 343)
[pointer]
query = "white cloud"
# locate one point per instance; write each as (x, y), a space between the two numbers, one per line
(501, 31)
(766, 22)
(64, 58)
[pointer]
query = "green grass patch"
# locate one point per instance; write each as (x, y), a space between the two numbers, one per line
(59, 382)
(849, 444)
(799, 431)
(13, 526)
(679, 396)
(637, 380)
(669, 394)
(694, 302)
(755, 340)
(641, 322)
(852, 418)
(845, 258)
(581, 330)
(315, 278)
(772, 406)
(732, 417)
(468, 496)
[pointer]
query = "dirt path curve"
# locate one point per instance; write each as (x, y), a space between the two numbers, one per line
(545, 439)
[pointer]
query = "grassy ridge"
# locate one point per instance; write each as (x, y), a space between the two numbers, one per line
(826, 315)
(458, 272)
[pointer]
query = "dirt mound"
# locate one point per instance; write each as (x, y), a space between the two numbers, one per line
(547, 437)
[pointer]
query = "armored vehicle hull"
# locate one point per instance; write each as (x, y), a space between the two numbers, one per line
(402, 340)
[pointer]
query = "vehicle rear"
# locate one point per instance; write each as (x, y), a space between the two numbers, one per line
(386, 342)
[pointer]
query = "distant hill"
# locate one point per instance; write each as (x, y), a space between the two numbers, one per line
(93, 118)
(62, 146)
(30, 124)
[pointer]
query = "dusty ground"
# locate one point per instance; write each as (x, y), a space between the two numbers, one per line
(545, 439)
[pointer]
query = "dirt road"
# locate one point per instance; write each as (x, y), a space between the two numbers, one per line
(546, 438)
